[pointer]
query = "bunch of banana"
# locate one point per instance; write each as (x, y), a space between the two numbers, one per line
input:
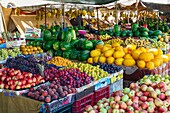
(158, 44)
(115, 40)
(142, 43)
(105, 37)
(129, 41)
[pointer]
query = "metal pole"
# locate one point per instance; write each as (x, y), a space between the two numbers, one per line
(116, 13)
(45, 17)
(63, 16)
(98, 21)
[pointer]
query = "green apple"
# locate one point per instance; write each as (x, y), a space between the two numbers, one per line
(125, 98)
(126, 90)
(115, 111)
(103, 110)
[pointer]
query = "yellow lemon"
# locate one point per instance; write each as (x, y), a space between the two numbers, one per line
(119, 61)
(150, 65)
(110, 60)
(141, 64)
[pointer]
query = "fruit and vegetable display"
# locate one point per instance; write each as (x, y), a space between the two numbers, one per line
(73, 77)
(59, 61)
(110, 68)
(5, 53)
(13, 79)
(93, 71)
(25, 64)
(147, 97)
(48, 93)
(128, 56)
(30, 50)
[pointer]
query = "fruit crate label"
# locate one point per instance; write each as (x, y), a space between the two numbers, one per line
(32, 33)
(53, 106)
(8, 93)
(15, 43)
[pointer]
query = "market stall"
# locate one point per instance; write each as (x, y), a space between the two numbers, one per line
(95, 65)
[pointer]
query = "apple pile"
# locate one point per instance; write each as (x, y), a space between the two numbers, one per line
(72, 77)
(155, 78)
(15, 79)
(48, 93)
(139, 98)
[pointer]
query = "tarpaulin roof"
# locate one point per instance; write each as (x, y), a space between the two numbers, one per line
(161, 7)
(91, 2)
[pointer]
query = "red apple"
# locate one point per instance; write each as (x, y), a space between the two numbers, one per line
(30, 80)
(12, 86)
(139, 93)
(34, 79)
(23, 81)
(117, 98)
(161, 84)
(123, 105)
(146, 94)
(162, 96)
(144, 105)
(143, 98)
(163, 109)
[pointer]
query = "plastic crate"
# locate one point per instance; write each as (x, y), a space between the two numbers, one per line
(64, 109)
(101, 93)
(116, 86)
(57, 104)
(79, 105)
(102, 83)
(3, 45)
(84, 92)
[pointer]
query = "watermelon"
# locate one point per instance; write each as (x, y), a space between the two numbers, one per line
(123, 33)
(87, 45)
(116, 28)
(65, 46)
(136, 33)
(48, 45)
(79, 44)
(144, 34)
(57, 28)
(142, 29)
(56, 45)
(135, 27)
(73, 43)
(117, 33)
(60, 36)
(66, 54)
(157, 32)
(83, 55)
(129, 33)
(58, 53)
(74, 55)
(46, 35)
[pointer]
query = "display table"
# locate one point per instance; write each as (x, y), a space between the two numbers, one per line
(18, 104)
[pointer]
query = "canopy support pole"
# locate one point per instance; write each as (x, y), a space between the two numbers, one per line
(98, 21)
(45, 17)
(63, 17)
(116, 13)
